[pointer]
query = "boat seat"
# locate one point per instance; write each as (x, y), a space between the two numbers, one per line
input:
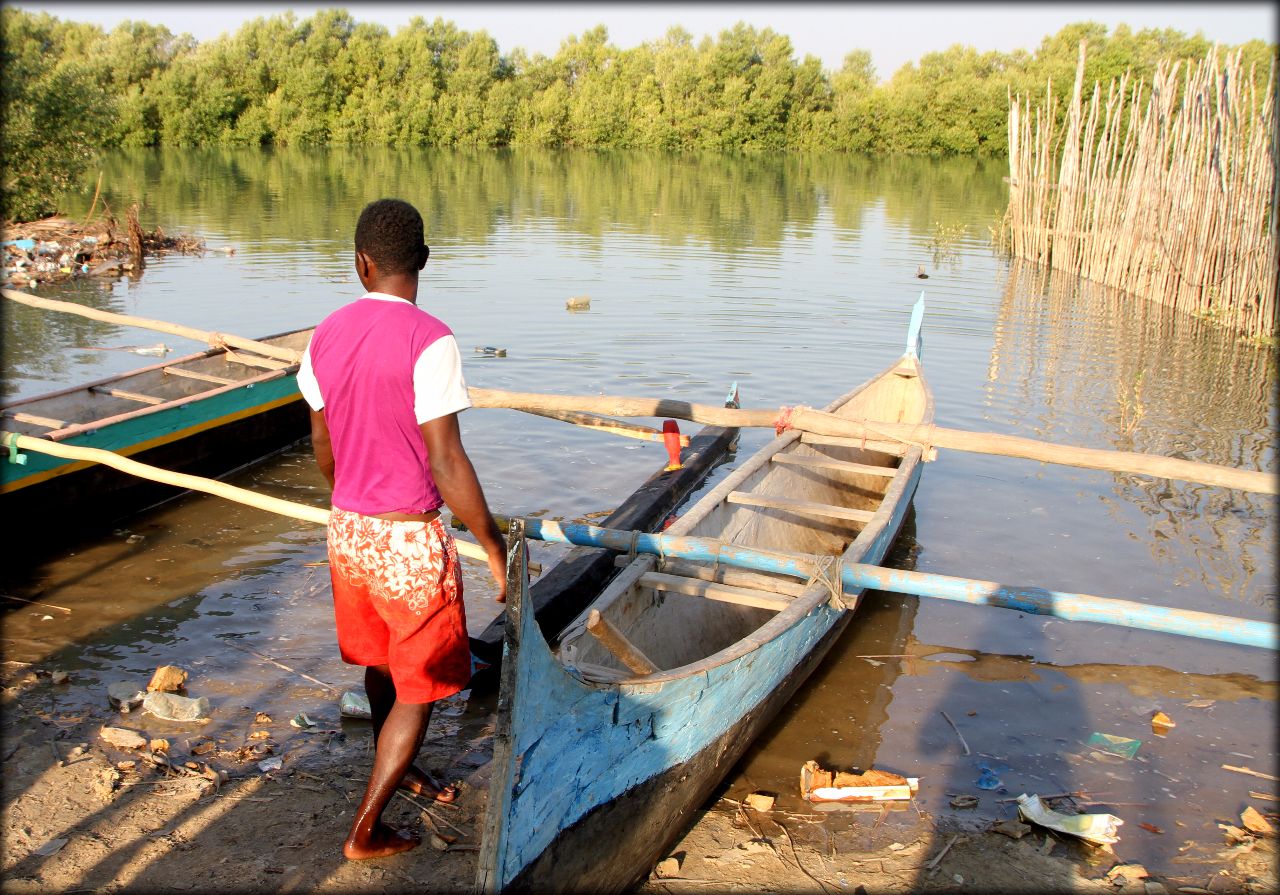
(836, 465)
(31, 419)
(203, 377)
(806, 507)
(128, 396)
(261, 363)
(713, 590)
(897, 448)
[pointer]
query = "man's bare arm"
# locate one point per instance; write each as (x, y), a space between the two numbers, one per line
(460, 488)
(321, 445)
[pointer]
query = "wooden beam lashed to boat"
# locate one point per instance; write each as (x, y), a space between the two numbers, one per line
(261, 363)
(126, 395)
(32, 419)
(725, 593)
(834, 465)
(202, 377)
(808, 508)
(617, 643)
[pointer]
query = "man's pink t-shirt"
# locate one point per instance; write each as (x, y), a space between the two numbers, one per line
(379, 367)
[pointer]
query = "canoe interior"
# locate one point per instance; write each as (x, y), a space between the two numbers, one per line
(164, 381)
(677, 630)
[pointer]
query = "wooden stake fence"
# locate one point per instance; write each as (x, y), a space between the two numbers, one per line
(1166, 192)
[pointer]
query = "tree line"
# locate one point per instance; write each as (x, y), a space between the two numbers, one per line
(70, 88)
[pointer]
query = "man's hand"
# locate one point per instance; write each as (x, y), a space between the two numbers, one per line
(456, 478)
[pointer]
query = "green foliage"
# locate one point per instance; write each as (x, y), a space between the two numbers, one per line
(54, 110)
(329, 79)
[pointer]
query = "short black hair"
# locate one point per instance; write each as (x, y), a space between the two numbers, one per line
(390, 232)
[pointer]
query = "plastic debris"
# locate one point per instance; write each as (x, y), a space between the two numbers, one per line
(819, 785)
(355, 705)
(488, 351)
(1161, 724)
(301, 720)
(171, 707)
(1098, 829)
(270, 764)
(578, 303)
(987, 780)
(1116, 745)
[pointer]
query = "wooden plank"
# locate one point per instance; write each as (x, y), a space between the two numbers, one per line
(128, 396)
(261, 363)
(896, 448)
(727, 575)
(31, 418)
(837, 465)
(725, 593)
(203, 377)
(617, 643)
(808, 508)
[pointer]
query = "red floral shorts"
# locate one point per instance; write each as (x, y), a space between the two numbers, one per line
(397, 600)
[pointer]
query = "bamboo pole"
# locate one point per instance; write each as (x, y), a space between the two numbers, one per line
(821, 423)
(802, 418)
(855, 577)
(187, 332)
(288, 508)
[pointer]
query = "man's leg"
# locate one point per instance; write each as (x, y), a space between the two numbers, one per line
(400, 737)
(381, 691)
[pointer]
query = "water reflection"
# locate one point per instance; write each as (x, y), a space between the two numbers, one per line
(1152, 382)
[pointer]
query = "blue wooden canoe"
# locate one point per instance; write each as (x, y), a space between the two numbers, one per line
(598, 768)
(207, 413)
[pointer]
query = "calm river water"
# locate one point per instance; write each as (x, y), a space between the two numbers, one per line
(793, 276)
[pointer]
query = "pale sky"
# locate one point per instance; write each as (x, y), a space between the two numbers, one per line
(894, 33)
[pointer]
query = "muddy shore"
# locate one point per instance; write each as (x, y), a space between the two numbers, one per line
(83, 815)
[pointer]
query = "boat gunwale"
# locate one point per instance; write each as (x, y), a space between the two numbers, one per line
(151, 368)
(816, 594)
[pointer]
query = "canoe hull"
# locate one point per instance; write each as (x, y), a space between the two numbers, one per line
(590, 857)
(201, 414)
(630, 762)
(82, 499)
(597, 768)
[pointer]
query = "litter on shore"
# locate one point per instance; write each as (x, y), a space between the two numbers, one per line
(56, 248)
(819, 785)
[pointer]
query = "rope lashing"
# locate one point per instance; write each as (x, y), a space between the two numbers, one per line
(826, 571)
(218, 340)
(783, 422)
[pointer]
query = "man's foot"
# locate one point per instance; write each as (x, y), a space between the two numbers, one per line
(420, 783)
(381, 842)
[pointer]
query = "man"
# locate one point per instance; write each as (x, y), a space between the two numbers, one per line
(384, 382)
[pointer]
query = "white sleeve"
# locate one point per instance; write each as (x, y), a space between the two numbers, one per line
(308, 384)
(438, 387)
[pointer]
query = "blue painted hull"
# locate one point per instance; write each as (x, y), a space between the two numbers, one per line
(594, 779)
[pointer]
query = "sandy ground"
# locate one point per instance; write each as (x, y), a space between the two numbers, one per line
(81, 815)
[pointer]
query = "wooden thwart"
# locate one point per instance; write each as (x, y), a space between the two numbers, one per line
(835, 465)
(261, 363)
(203, 377)
(746, 498)
(884, 447)
(727, 575)
(128, 396)
(32, 419)
(617, 643)
(725, 593)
